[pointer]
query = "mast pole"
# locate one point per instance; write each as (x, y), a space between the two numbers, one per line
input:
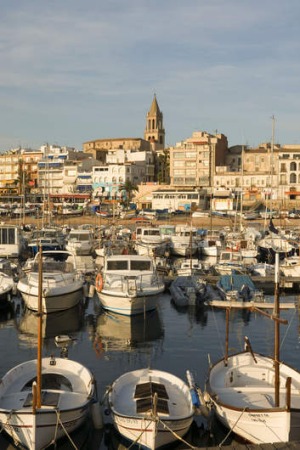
(40, 323)
(276, 330)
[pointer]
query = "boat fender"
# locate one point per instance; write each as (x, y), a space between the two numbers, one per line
(91, 291)
(193, 390)
(99, 282)
(97, 415)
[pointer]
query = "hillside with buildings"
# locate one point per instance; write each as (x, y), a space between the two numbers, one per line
(198, 172)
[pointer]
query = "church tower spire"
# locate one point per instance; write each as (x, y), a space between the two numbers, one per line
(155, 132)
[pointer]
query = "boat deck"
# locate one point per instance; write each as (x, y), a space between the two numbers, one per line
(124, 402)
(256, 397)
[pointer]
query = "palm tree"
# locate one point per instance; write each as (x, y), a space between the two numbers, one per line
(129, 187)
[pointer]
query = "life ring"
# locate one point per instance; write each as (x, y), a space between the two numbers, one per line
(99, 282)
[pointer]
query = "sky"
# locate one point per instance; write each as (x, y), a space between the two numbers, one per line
(78, 70)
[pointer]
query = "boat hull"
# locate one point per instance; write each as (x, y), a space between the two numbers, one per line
(129, 305)
(52, 302)
(150, 434)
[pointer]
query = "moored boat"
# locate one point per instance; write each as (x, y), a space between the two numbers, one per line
(150, 407)
(129, 284)
(62, 282)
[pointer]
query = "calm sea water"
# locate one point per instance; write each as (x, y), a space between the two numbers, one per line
(167, 339)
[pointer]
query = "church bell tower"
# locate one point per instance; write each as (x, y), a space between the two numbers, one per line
(155, 132)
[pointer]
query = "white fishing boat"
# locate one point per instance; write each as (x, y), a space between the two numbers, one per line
(257, 396)
(150, 407)
(44, 399)
(62, 282)
(129, 284)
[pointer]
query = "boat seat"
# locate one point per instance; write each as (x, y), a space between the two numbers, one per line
(144, 396)
(47, 399)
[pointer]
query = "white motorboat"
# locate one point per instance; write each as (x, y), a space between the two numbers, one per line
(80, 242)
(49, 238)
(129, 284)
(256, 396)
(150, 407)
(210, 246)
(290, 267)
(12, 242)
(8, 285)
(190, 266)
(149, 241)
(62, 282)
(185, 241)
(229, 261)
(45, 399)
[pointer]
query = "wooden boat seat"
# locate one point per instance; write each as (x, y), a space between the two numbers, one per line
(144, 395)
(47, 399)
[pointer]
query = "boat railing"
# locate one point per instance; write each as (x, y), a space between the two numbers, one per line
(131, 283)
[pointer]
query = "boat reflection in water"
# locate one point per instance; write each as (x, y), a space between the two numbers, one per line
(118, 332)
(60, 322)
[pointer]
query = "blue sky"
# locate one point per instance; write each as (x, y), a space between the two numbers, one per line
(74, 70)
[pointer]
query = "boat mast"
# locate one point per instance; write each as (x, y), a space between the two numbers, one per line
(40, 323)
(276, 330)
(242, 193)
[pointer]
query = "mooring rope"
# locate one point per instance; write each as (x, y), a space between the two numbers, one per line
(232, 428)
(59, 422)
(141, 434)
(176, 435)
(288, 327)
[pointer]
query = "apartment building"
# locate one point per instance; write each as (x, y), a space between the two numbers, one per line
(19, 171)
(122, 165)
(193, 161)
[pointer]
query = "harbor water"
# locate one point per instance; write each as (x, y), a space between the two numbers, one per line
(169, 339)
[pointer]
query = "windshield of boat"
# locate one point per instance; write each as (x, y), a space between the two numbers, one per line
(128, 265)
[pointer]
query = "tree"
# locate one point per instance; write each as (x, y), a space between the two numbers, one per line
(129, 187)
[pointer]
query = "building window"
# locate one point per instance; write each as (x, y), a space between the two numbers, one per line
(293, 166)
(293, 178)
